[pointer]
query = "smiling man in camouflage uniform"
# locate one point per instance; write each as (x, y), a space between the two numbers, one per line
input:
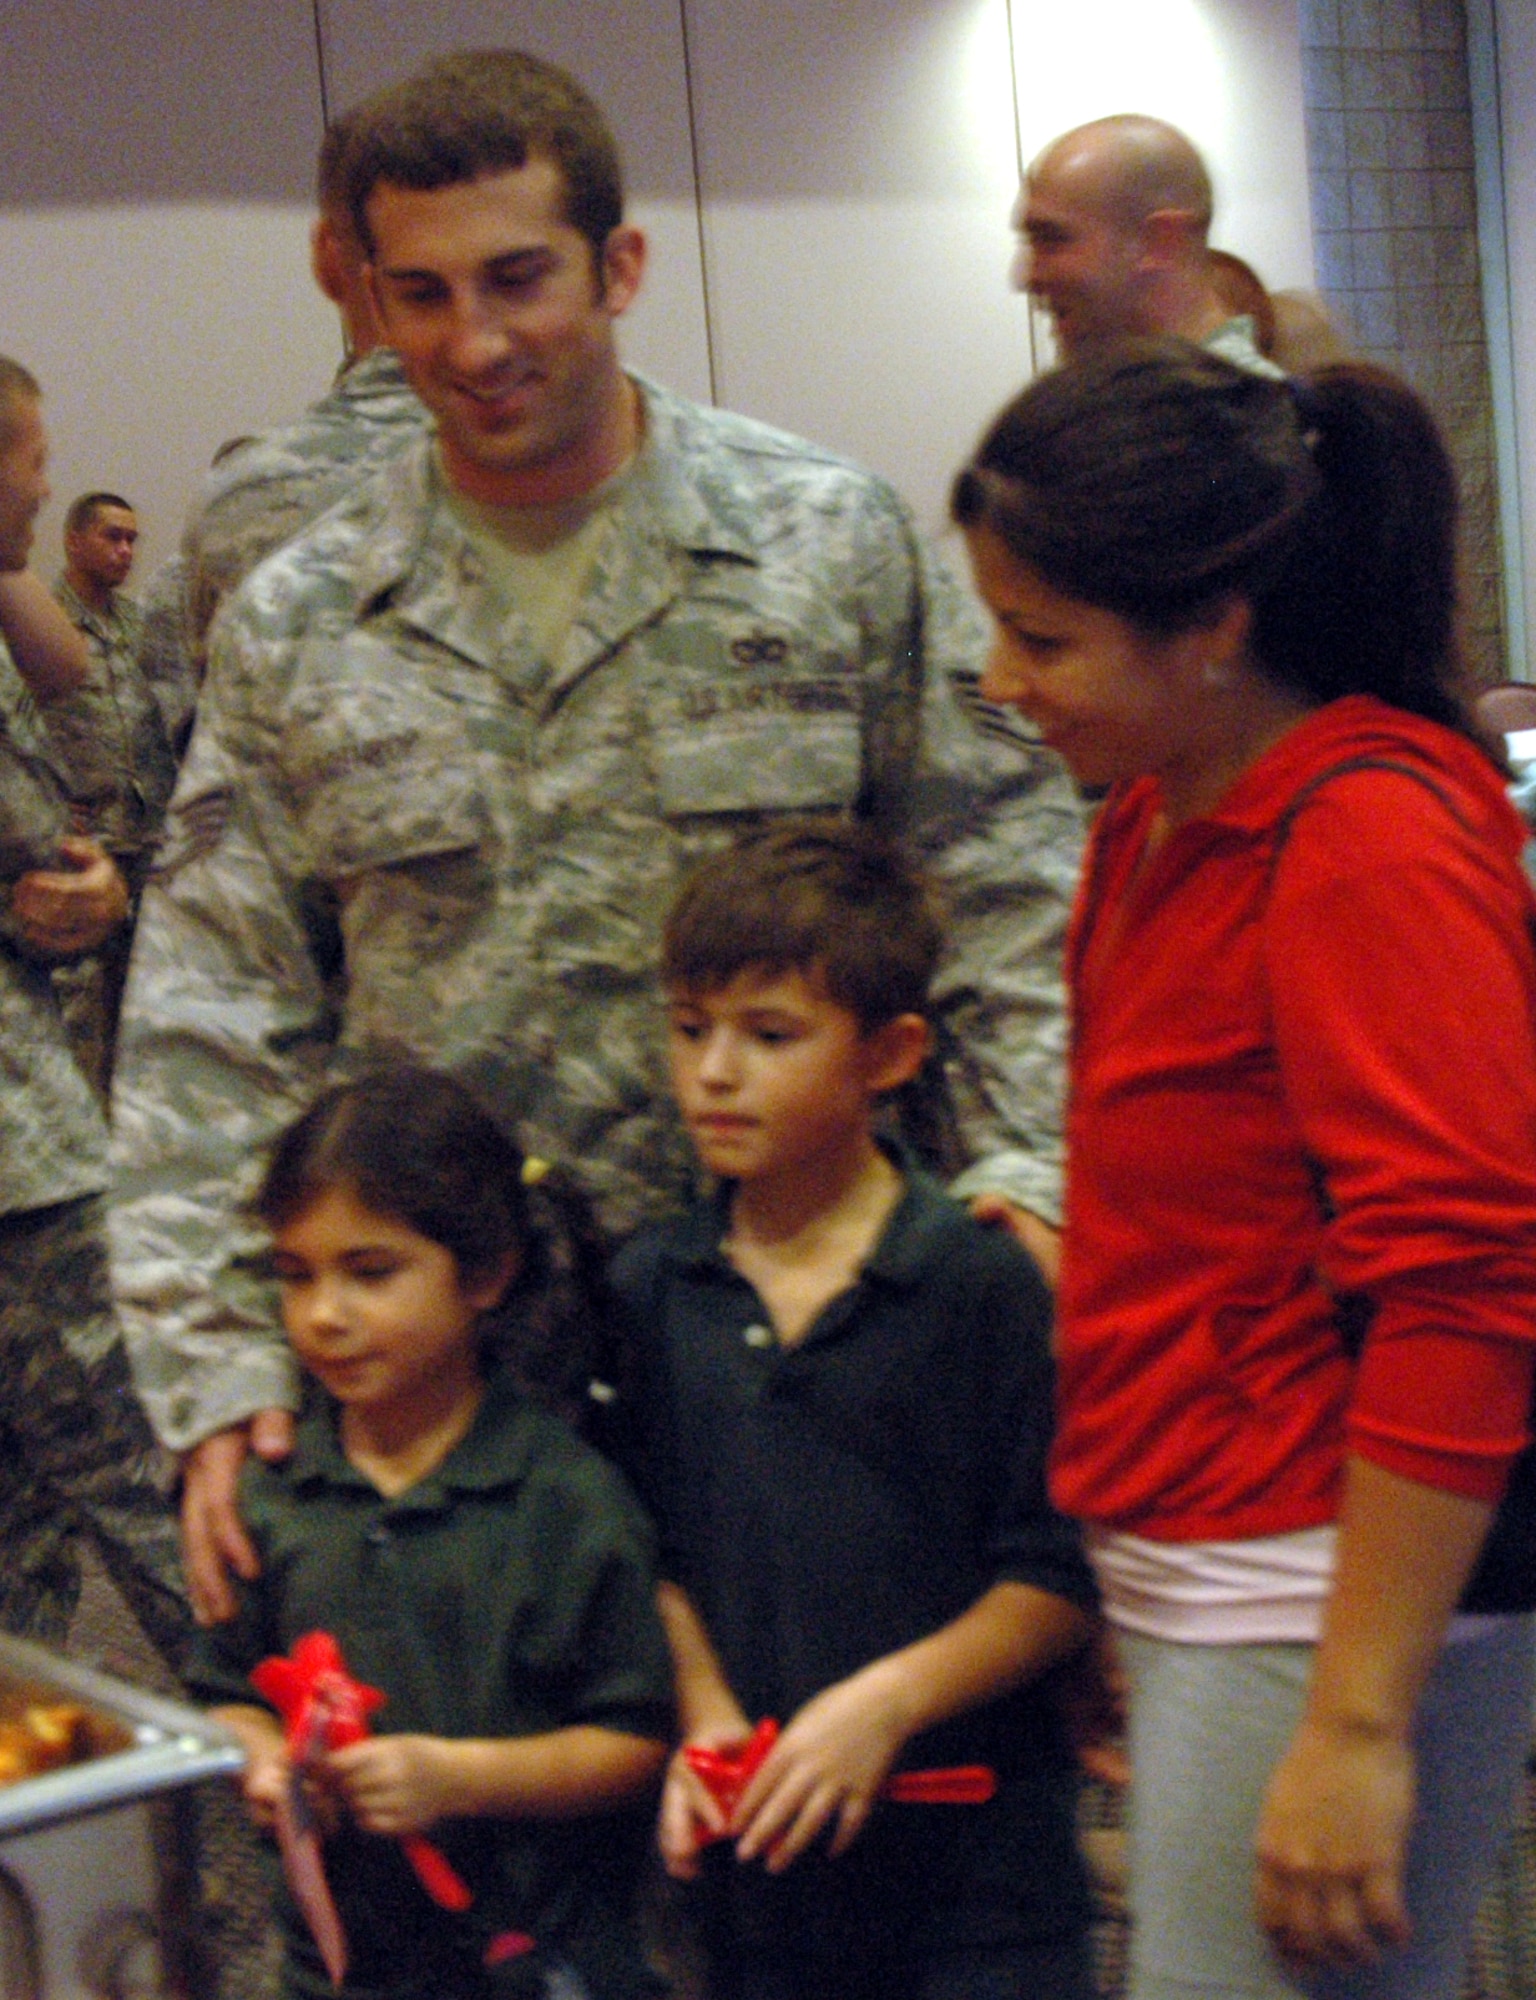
(461, 739)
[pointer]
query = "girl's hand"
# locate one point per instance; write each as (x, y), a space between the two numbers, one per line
(1331, 1842)
(690, 1816)
(395, 1784)
(265, 1780)
(829, 1763)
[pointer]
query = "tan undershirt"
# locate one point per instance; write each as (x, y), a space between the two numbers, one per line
(538, 559)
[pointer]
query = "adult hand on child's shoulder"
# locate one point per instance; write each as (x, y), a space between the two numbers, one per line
(1331, 1845)
(213, 1537)
(829, 1764)
(1039, 1237)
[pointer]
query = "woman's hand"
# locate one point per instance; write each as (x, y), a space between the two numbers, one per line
(1331, 1845)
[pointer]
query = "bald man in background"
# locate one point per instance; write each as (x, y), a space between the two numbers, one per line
(1114, 219)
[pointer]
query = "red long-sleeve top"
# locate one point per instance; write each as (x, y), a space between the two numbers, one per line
(1304, 1065)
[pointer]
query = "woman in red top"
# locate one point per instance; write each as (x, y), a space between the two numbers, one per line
(1298, 1294)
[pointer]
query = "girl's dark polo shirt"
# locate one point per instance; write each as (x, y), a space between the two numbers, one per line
(827, 1503)
(508, 1593)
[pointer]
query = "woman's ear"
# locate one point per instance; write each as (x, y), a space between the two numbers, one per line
(1212, 651)
(896, 1051)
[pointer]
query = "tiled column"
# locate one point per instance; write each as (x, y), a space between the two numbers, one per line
(1394, 225)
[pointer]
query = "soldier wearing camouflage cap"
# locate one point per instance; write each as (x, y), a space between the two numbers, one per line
(462, 738)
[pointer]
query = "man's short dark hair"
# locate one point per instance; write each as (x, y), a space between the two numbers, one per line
(832, 897)
(482, 111)
(83, 512)
(17, 385)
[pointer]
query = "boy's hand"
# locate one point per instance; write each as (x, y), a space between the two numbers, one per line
(829, 1763)
(394, 1784)
(1092, 1694)
(690, 1815)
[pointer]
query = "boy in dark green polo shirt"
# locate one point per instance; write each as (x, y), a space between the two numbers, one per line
(841, 1412)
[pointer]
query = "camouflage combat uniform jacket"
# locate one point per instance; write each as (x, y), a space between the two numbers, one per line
(53, 1141)
(110, 734)
(398, 829)
(163, 658)
(262, 494)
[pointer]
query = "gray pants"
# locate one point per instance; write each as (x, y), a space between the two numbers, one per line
(1208, 1726)
(77, 1457)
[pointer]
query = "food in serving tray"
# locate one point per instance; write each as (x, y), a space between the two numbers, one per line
(44, 1737)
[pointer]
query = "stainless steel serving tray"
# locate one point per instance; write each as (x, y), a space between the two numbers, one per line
(141, 1743)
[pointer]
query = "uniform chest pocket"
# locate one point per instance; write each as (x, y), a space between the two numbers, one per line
(382, 800)
(760, 749)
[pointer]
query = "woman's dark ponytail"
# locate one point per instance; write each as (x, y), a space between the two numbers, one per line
(1156, 479)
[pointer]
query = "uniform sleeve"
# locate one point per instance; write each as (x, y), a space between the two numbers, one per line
(997, 819)
(225, 1035)
(1405, 1022)
(34, 816)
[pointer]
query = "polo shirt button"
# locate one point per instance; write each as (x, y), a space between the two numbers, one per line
(758, 1336)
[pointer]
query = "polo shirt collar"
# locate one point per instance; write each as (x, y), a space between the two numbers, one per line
(920, 1221)
(496, 1451)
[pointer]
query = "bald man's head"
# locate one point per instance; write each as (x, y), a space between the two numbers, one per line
(1107, 212)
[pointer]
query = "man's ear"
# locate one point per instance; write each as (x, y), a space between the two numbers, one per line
(896, 1051)
(1165, 238)
(623, 267)
(327, 261)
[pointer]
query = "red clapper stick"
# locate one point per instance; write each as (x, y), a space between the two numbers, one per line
(726, 1772)
(324, 1708)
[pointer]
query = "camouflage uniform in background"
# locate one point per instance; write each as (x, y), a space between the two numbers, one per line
(163, 657)
(117, 762)
(265, 491)
(400, 829)
(76, 1456)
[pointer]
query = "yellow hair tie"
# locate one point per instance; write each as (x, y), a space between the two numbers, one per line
(534, 1171)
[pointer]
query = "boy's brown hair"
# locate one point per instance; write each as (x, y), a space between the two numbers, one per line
(830, 896)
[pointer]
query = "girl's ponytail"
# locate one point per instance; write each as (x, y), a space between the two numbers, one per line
(557, 1328)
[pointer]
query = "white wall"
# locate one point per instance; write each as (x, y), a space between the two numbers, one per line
(827, 183)
(1515, 23)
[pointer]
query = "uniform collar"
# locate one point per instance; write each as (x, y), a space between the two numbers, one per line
(106, 625)
(682, 497)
